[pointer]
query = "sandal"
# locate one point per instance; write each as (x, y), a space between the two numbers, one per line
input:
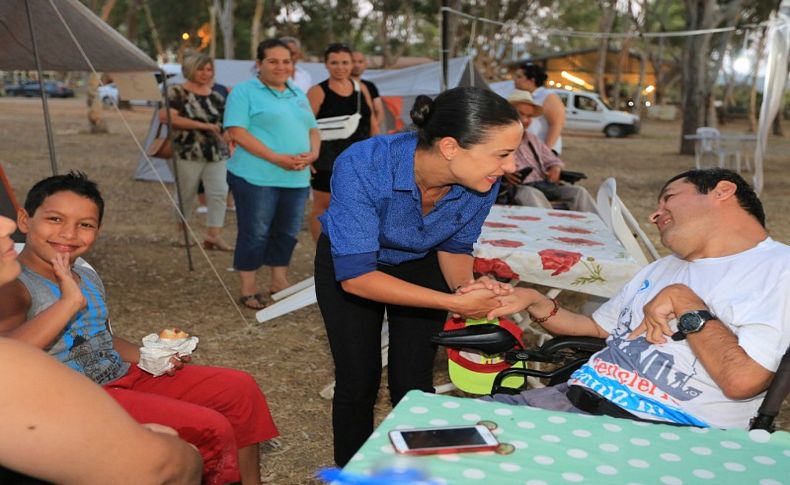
(253, 302)
(216, 245)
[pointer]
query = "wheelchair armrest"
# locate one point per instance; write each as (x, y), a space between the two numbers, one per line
(571, 177)
(584, 344)
(774, 397)
(487, 338)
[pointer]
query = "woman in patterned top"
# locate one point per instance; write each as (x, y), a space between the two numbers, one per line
(196, 112)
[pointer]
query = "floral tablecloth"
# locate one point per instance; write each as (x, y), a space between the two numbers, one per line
(552, 447)
(561, 249)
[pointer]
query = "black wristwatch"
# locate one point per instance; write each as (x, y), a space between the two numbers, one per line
(692, 322)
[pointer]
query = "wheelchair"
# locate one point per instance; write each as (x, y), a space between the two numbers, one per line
(566, 354)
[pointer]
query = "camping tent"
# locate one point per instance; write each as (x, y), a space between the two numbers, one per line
(398, 88)
(63, 36)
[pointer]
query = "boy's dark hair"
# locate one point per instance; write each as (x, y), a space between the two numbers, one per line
(269, 44)
(73, 181)
(705, 180)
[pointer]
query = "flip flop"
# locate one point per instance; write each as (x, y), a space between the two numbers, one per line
(253, 302)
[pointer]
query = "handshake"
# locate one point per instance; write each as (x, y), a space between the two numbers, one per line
(483, 297)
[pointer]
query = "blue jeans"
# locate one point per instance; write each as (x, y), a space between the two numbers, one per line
(269, 220)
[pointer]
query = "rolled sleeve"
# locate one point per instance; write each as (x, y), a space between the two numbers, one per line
(353, 265)
(237, 109)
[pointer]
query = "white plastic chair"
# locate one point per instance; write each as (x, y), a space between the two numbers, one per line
(712, 143)
(620, 220)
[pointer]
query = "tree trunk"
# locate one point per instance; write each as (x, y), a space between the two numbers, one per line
(622, 59)
(96, 122)
(752, 113)
(226, 25)
(693, 91)
(212, 22)
(452, 27)
(160, 51)
(604, 26)
(777, 125)
(255, 36)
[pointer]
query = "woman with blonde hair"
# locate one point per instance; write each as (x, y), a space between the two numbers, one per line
(196, 112)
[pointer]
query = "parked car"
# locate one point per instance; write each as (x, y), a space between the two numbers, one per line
(108, 93)
(587, 111)
(53, 89)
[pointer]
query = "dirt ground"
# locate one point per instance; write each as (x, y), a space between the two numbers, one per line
(150, 287)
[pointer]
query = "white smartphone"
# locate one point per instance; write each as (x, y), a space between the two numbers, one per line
(447, 439)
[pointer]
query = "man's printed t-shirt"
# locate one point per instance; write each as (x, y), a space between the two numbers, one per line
(749, 292)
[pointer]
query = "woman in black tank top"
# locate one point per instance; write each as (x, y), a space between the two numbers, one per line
(336, 96)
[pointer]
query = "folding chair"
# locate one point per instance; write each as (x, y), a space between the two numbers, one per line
(711, 142)
(620, 220)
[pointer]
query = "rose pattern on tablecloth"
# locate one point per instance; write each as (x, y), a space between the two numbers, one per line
(571, 229)
(524, 218)
(577, 241)
(558, 260)
(503, 243)
(496, 267)
(500, 225)
(568, 215)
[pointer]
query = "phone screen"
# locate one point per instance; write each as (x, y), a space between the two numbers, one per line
(440, 438)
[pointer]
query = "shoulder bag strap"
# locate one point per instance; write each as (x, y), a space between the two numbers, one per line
(359, 95)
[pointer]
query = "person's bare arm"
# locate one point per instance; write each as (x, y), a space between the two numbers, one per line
(553, 174)
(128, 351)
(564, 322)
(716, 347)
(45, 327)
(378, 106)
(381, 287)
(456, 268)
(61, 427)
(316, 97)
(374, 120)
(184, 123)
(554, 111)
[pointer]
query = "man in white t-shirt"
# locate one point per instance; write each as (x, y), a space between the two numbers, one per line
(694, 338)
(300, 77)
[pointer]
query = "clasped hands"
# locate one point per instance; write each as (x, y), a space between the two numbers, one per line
(296, 162)
(480, 298)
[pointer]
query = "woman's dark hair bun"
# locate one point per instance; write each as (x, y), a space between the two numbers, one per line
(421, 110)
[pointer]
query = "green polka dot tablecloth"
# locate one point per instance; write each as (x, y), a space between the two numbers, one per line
(560, 448)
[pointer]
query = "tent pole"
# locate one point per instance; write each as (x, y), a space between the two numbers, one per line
(174, 168)
(445, 43)
(47, 121)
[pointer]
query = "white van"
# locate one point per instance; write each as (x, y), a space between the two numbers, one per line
(587, 111)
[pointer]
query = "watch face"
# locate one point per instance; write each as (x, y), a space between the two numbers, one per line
(691, 322)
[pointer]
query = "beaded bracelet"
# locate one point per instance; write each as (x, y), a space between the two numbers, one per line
(551, 314)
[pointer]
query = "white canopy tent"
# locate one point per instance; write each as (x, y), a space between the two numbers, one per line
(63, 36)
(774, 84)
(398, 87)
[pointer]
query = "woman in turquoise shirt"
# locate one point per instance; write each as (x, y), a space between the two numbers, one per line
(269, 174)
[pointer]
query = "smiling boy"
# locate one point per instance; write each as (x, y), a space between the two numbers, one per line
(60, 307)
